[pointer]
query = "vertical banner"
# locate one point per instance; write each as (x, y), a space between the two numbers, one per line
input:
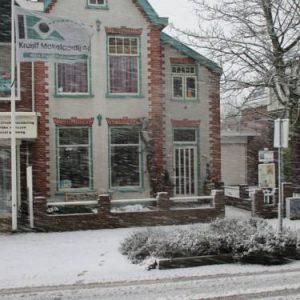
(40, 37)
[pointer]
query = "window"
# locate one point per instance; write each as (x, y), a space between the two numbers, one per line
(74, 158)
(184, 82)
(97, 3)
(185, 135)
(123, 55)
(125, 157)
(5, 73)
(72, 78)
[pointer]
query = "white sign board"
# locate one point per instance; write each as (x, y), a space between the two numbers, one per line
(281, 133)
(26, 125)
(266, 176)
(265, 156)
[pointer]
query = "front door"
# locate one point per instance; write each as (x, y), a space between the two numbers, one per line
(185, 162)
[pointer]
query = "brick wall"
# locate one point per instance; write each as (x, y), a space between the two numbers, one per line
(215, 126)
(40, 149)
(156, 110)
(105, 219)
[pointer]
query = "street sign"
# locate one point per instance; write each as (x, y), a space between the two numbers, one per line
(265, 156)
(281, 133)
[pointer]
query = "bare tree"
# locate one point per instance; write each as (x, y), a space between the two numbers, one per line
(258, 44)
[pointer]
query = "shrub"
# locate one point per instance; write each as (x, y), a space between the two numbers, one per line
(251, 240)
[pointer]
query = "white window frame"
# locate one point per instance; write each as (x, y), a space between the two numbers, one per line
(18, 76)
(139, 146)
(97, 4)
(58, 93)
(138, 56)
(184, 77)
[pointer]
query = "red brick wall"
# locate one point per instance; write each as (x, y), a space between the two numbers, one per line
(40, 149)
(156, 106)
(215, 126)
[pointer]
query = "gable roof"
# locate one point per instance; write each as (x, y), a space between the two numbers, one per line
(191, 53)
(144, 4)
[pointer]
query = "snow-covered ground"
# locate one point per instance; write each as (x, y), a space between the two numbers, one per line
(46, 259)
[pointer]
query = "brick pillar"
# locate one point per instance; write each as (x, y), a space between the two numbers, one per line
(219, 200)
(40, 149)
(40, 212)
(215, 126)
(163, 201)
(157, 110)
(104, 205)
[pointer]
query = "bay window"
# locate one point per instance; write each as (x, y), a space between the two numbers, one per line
(123, 56)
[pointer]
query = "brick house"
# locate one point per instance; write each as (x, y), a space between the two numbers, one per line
(141, 116)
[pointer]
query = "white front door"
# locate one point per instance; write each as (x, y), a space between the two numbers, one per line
(185, 170)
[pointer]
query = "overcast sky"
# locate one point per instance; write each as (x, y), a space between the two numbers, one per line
(180, 15)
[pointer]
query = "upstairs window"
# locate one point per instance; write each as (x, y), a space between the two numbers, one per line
(184, 81)
(97, 3)
(72, 78)
(123, 56)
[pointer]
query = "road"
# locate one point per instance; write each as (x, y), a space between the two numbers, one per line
(263, 285)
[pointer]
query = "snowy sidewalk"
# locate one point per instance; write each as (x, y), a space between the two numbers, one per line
(46, 259)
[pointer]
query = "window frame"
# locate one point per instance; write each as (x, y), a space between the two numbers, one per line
(18, 77)
(138, 94)
(87, 94)
(184, 77)
(139, 187)
(97, 6)
(59, 189)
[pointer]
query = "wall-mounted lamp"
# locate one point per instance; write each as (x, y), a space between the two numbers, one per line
(99, 118)
(98, 25)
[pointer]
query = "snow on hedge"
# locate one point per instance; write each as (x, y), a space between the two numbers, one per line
(247, 240)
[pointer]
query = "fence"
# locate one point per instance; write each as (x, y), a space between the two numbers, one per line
(107, 213)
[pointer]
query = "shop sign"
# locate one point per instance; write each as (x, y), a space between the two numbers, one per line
(26, 125)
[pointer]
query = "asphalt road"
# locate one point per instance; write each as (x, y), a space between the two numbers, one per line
(263, 285)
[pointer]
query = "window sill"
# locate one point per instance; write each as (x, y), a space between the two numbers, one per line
(73, 96)
(126, 190)
(104, 7)
(62, 192)
(185, 100)
(127, 96)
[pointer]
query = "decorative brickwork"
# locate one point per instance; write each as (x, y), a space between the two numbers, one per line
(185, 123)
(123, 30)
(215, 126)
(74, 122)
(182, 60)
(123, 121)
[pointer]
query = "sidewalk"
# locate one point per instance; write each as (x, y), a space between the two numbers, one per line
(47, 259)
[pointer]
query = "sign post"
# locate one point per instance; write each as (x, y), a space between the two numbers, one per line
(281, 138)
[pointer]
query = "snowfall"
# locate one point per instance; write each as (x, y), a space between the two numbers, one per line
(87, 257)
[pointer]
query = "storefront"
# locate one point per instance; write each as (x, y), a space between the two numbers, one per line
(26, 130)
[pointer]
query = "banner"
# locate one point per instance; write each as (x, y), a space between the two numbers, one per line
(40, 37)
